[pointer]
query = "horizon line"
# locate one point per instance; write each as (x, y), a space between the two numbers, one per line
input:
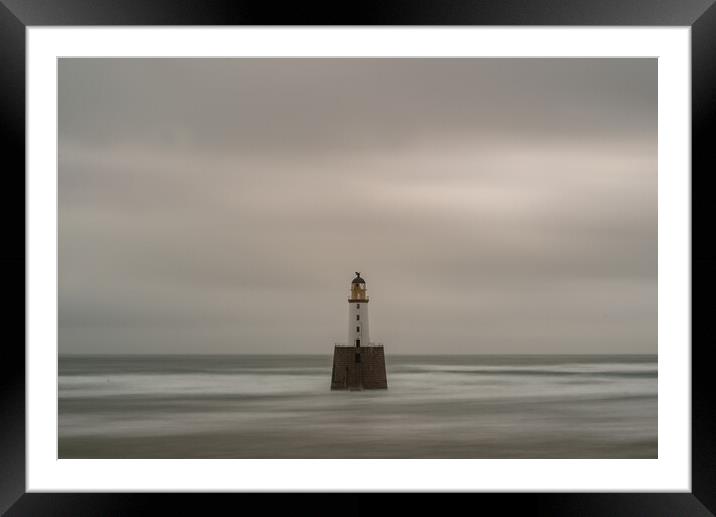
(329, 353)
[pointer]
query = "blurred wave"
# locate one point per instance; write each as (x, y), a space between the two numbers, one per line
(281, 407)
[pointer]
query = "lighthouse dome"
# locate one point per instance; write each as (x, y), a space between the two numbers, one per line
(358, 279)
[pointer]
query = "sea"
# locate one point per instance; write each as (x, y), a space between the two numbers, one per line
(281, 406)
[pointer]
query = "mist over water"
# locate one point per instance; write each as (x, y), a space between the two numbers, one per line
(271, 406)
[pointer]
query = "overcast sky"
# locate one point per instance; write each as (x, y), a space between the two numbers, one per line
(492, 205)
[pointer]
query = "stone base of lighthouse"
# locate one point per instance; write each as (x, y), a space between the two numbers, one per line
(358, 368)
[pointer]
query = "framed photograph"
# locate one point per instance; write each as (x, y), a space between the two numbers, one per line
(499, 203)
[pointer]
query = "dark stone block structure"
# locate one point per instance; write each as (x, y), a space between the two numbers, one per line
(358, 368)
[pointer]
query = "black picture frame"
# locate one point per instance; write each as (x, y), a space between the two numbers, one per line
(16, 15)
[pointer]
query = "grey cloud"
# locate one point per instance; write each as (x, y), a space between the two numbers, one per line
(349, 103)
(222, 205)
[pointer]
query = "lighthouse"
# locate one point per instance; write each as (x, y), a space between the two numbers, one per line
(358, 364)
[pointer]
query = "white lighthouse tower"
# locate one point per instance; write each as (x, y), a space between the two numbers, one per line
(358, 330)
